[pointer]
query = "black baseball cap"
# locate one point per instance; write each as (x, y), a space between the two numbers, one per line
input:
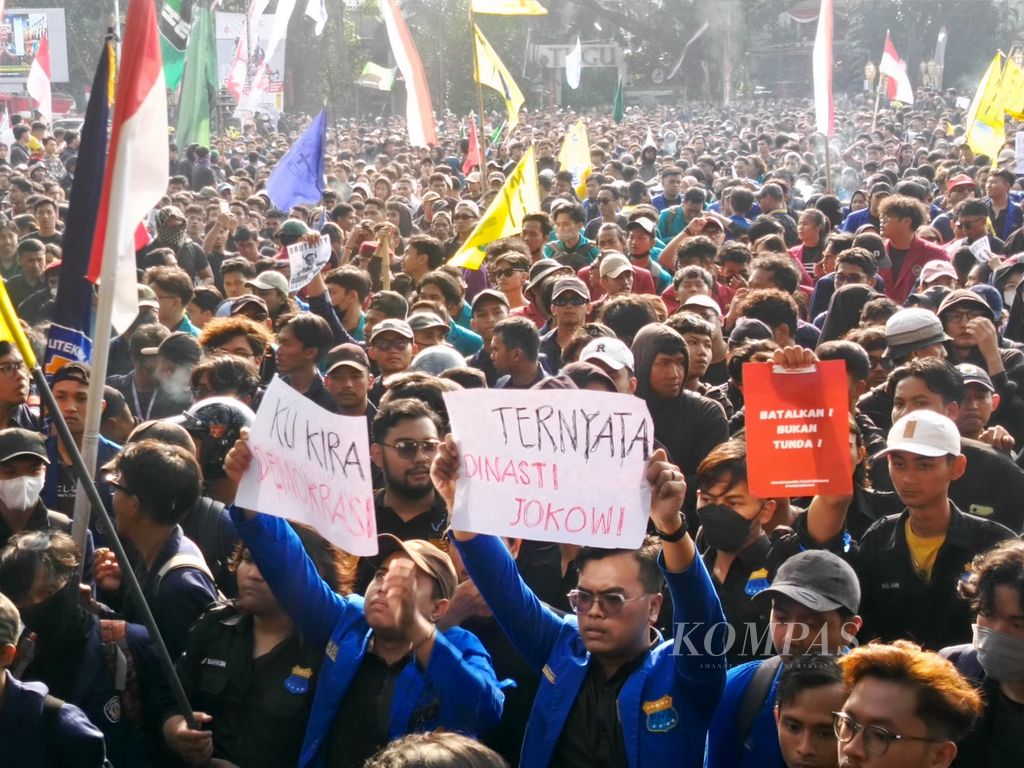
(15, 442)
(819, 580)
(180, 348)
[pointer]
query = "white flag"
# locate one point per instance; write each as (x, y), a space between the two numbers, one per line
(317, 11)
(574, 65)
(38, 83)
(6, 134)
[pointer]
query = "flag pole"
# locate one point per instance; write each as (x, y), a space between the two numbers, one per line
(481, 139)
(878, 97)
(828, 166)
(10, 318)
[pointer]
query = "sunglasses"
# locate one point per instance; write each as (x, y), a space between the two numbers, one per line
(409, 449)
(610, 603)
(573, 301)
(389, 345)
(500, 273)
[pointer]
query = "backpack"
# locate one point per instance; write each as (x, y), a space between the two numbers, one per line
(754, 698)
(121, 662)
(185, 560)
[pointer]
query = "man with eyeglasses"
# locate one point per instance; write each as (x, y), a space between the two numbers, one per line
(570, 304)
(972, 224)
(14, 390)
(609, 689)
(906, 707)
(608, 206)
(508, 270)
(391, 348)
(405, 436)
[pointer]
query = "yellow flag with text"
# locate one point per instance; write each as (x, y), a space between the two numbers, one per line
(985, 124)
(509, 7)
(517, 197)
(574, 156)
(1011, 90)
(494, 74)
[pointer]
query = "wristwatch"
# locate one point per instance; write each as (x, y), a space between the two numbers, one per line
(676, 535)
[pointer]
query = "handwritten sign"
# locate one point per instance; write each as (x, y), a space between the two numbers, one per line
(561, 466)
(305, 260)
(798, 430)
(311, 466)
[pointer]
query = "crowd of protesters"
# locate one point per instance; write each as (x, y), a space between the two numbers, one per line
(884, 628)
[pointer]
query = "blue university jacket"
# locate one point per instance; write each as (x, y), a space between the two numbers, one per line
(666, 704)
(458, 691)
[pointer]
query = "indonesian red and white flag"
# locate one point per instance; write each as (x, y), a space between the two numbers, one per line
(824, 106)
(137, 164)
(419, 113)
(898, 88)
(38, 84)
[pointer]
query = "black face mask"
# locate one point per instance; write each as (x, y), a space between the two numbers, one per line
(51, 617)
(723, 528)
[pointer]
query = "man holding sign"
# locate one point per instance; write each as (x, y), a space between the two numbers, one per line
(607, 686)
(387, 670)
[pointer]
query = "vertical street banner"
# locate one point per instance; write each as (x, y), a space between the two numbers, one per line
(174, 23)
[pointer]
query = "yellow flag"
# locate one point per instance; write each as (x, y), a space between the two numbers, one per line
(517, 197)
(985, 124)
(509, 7)
(492, 73)
(574, 156)
(1011, 90)
(11, 330)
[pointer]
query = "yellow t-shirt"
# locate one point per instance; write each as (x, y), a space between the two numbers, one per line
(923, 552)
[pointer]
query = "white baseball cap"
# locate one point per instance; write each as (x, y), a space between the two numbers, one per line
(924, 433)
(610, 351)
(700, 300)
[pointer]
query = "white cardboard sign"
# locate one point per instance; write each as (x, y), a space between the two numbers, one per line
(305, 260)
(566, 466)
(311, 466)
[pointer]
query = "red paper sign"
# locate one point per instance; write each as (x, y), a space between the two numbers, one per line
(798, 430)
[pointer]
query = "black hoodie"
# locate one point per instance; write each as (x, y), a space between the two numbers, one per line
(688, 425)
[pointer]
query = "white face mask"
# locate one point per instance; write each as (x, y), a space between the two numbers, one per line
(21, 493)
(1008, 297)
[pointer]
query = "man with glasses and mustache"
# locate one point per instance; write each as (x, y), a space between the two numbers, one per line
(405, 436)
(14, 390)
(608, 686)
(906, 707)
(570, 303)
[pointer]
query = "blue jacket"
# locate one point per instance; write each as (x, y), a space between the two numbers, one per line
(128, 743)
(458, 691)
(465, 341)
(1014, 219)
(105, 452)
(684, 689)
(25, 741)
(856, 220)
(761, 749)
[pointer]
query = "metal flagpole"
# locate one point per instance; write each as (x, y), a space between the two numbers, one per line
(828, 167)
(481, 140)
(86, 483)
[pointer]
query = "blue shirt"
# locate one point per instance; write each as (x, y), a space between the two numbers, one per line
(761, 747)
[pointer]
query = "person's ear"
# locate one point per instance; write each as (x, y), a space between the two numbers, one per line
(860, 387)
(655, 608)
(632, 385)
(958, 468)
(953, 410)
(7, 653)
(440, 608)
(995, 401)
(943, 755)
(377, 454)
(767, 512)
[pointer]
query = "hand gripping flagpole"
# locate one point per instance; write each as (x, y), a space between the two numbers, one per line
(10, 319)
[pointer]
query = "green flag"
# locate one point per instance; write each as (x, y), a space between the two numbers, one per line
(497, 132)
(199, 84)
(175, 22)
(618, 107)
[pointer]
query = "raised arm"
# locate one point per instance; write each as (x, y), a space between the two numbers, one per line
(532, 627)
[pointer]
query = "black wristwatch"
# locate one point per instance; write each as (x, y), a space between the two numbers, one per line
(675, 536)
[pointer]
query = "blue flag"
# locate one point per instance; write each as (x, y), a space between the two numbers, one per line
(72, 316)
(299, 175)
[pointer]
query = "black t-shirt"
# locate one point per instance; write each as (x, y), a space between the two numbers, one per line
(361, 726)
(592, 734)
